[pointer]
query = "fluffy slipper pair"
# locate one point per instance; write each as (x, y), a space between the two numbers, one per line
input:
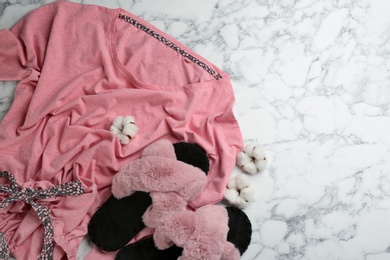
(161, 202)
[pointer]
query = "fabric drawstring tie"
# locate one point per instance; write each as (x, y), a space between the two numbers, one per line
(28, 196)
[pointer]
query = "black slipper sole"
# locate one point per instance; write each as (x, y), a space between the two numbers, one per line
(192, 154)
(116, 222)
(240, 232)
(240, 229)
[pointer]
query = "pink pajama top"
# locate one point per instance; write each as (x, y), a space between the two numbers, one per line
(79, 67)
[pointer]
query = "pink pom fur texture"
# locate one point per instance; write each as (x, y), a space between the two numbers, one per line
(172, 184)
(201, 233)
(157, 171)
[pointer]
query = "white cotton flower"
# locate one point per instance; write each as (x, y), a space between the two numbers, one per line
(130, 130)
(258, 153)
(124, 128)
(118, 122)
(250, 168)
(128, 120)
(261, 164)
(231, 195)
(239, 192)
(248, 148)
(240, 203)
(252, 159)
(124, 139)
(243, 158)
(247, 194)
(242, 182)
(232, 183)
(114, 129)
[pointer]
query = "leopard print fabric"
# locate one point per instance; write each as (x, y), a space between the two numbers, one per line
(170, 45)
(29, 196)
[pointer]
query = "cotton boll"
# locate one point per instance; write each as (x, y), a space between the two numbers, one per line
(232, 183)
(231, 195)
(250, 168)
(130, 130)
(239, 192)
(128, 120)
(252, 159)
(260, 164)
(240, 203)
(114, 129)
(247, 194)
(124, 128)
(124, 139)
(248, 149)
(243, 158)
(118, 122)
(258, 153)
(242, 181)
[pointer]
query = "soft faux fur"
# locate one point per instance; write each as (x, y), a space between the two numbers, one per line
(201, 233)
(163, 205)
(117, 221)
(172, 184)
(159, 171)
(239, 236)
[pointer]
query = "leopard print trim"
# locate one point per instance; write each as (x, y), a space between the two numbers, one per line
(4, 252)
(170, 45)
(29, 196)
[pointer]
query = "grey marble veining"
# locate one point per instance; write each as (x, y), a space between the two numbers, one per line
(311, 80)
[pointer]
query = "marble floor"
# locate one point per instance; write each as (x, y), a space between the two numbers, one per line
(312, 86)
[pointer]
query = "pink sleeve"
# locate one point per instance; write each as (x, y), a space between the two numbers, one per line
(12, 59)
(23, 48)
(219, 134)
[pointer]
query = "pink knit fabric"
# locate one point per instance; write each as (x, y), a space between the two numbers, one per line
(79, 67)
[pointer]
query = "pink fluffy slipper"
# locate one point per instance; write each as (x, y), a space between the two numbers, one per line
(172, 184)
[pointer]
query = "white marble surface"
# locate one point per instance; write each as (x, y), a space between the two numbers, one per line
(312, 86)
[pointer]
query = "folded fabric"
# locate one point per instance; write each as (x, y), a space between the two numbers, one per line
(79, 66)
